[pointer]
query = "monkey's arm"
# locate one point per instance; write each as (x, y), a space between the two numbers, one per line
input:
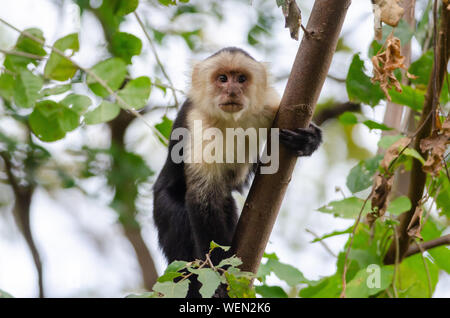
(302, 141)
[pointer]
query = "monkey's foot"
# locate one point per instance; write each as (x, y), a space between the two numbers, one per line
(302, 141)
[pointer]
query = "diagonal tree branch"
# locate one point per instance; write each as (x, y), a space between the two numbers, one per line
(414, 249)
(296, 108)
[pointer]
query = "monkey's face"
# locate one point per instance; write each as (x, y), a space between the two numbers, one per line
(230, 90)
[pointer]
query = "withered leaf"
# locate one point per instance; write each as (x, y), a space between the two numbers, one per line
(385, 63)
(393, 152)
(389, 11)
(380, 196)
(437, 145)
(292, 17)
(415, 225)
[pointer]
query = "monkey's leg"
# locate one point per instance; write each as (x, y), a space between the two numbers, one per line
(213, 217)
(302, 141)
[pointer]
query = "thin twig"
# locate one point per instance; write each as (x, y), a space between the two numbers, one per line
(344, 271)
(397, 258)
(169, 87)
(155, 54)
(427, 270)
(125, 105)
(22, 54)
(327, 248)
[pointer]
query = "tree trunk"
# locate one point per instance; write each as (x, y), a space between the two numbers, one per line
(296, 108)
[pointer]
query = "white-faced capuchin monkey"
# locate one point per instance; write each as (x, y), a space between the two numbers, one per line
(193, 203)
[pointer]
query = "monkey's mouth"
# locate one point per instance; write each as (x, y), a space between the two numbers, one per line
(231, 107)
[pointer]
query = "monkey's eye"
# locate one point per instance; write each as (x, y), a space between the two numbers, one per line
(223, 78)
(242, 78)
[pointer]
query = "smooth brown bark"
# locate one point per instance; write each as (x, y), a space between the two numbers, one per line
(440, 241)
(296, 108)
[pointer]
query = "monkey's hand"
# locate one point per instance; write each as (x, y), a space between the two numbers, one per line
(302, 141)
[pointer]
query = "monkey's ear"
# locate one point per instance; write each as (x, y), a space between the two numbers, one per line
(195, 66)
(196, 73)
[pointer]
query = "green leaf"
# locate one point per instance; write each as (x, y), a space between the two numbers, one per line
(171, 289)
(112, 71)
(50, 121)
(239, 286)
(334, 233)
(350, 118)
(441, 254)
(125, 7)
(231, 261)
(209, 279)
(6, 86)
(359, 86)
(348, 208)
(422, 68)
(125, 46)
(288, 273)
(409, 96)
(399, 205)
(370, 281)
(164, 127)
(443, 197)
(27, 87)
(291, 275)
(167, 2)
(329, 287)
(374, 48)
(361, 175)
(387, 141)
(172, 271)
(271, 291)
(214, 245)
(78, 103)
(55, 90)
(106, 111)
(412, 280)
(25, 44)
(374, 125)
(136, 92)
(364, 257)
(413, 153)
(57, 67)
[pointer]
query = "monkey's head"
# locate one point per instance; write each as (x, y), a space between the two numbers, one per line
(228, 83)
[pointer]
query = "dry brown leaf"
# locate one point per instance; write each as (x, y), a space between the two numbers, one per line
(415, 225)
(292, 17)
(385, 63)
(390, 12)
(380, 197)
(437, 145)
(394, 151)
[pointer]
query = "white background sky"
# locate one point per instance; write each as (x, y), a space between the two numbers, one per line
(81, 245)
